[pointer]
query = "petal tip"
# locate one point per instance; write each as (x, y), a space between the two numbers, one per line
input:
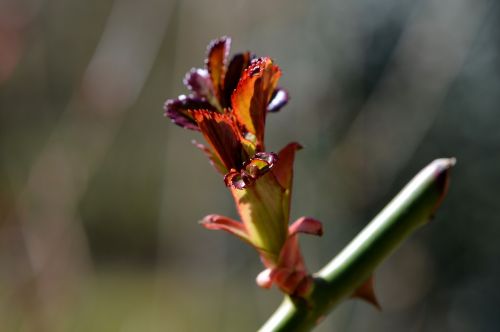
(306, 225)
(223, 42)
(175, 110)
(217, 222)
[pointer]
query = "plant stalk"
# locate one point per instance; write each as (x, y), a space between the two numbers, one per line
(350, 269)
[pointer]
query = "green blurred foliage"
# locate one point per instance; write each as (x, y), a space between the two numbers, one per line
(100, 195)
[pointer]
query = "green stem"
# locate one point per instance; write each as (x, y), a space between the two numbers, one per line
(340, 278)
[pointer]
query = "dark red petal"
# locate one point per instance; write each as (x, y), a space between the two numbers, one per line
(234, 71)
(278, 100)
(198, 81)
(252, 95)
(216, 62)
(221, 133)
(178, 110)
(283, 170)
(217, 222)
(306, 225)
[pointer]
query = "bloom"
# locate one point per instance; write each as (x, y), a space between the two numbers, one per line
(228, 104)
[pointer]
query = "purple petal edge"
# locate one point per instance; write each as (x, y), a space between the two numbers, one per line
(198, 81)
(215, 43)
(177, 110)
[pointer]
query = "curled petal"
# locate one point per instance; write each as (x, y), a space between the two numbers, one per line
(238, 180)
(253, 169)
(217, 222)
(260, 163)
(178, 110)
(278, 100)
(198, 81)
(216, 62)
(252, 95)
(306, 225)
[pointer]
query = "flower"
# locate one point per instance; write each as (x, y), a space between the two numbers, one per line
(228, 104)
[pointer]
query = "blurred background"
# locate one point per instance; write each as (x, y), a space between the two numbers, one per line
(100, 194)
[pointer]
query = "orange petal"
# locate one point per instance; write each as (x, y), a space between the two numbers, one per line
(252, 95)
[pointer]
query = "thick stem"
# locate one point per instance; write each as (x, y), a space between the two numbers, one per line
(340, 278)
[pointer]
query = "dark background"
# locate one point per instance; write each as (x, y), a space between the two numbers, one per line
(100, 195)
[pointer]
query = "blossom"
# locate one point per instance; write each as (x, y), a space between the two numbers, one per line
(228, 104)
